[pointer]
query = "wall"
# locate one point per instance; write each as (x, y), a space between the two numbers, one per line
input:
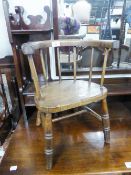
(31, 7)
(34, 7)
(5, 48)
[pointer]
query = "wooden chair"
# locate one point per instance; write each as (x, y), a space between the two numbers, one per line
(62, 95)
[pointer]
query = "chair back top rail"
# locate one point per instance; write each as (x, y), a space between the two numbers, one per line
(30, 47)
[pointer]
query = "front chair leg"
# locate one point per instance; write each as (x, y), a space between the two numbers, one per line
(106, 121)
(38, 119)
(48, 137)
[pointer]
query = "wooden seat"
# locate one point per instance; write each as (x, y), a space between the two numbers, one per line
(68, 94)
(62, 95)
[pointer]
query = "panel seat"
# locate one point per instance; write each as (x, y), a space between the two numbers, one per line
(59, 96)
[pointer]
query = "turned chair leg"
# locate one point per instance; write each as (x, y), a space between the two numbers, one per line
(106, 121)
(38, 119)
(48, 137)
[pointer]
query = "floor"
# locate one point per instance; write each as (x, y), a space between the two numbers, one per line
(4, 147)
(79, 147)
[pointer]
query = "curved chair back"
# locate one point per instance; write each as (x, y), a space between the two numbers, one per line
(30, 48)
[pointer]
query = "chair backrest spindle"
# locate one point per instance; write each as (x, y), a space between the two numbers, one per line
(91, 65)
(34, 75)
(106, 53)
(74, 59)
(59, 63)
(43, 64)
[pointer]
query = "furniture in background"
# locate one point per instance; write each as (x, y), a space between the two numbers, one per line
(67, 54)
(66, 95)
(117, 79)
(5, 120)
(9, 102)
(19, 32)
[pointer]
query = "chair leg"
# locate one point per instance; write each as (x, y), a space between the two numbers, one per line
(38, 119)
(106, 121)
(48, 136)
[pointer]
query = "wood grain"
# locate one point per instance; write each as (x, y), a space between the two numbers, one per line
(78, 150)
(48, 137)
(106, 121)
(30, 47)
(68, 94)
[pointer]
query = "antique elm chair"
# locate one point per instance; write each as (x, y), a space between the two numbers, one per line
(62, 95)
